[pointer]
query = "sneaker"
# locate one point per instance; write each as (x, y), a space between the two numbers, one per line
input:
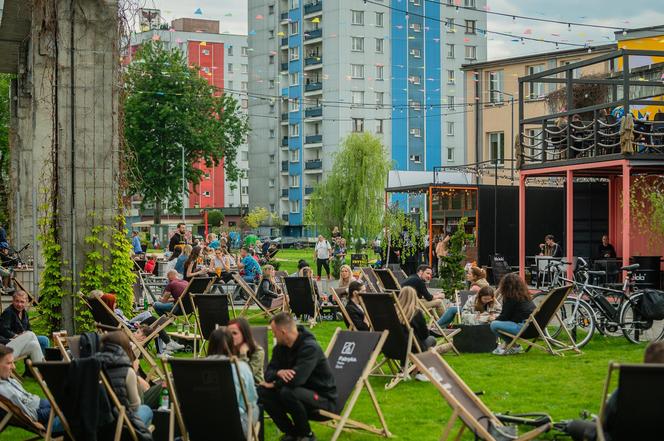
(310, 437)
(499, 351)
(514, 350)
(421, 377)
(174, 346)
(287, 437)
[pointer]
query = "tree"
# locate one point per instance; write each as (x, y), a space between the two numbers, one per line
(403, 233)
(4, 148)
(170, 107)
(215, 218)
(256, 217)
(452, 268)
(352, 196)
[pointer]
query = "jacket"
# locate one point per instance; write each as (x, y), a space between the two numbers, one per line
(11, 324)
(469, 314)
(516, 311)
(256, 362)
(416, 282)
(266, 292)
(420, 329)
(308, 361)
(357, 316)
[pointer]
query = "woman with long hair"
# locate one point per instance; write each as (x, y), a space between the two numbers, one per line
(480, 308)
(517, 307)
(221, 346)
(191, 264)
(355, 311)
(345, 276)
(477, 278)
(182, 258)
(269, 293)
(415, 317)
(246, 347)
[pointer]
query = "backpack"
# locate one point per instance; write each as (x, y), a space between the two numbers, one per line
(652, 304)
(89, 344)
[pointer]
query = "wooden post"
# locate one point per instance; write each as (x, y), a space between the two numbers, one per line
(522, 225)
(626, 190)
(570, 221)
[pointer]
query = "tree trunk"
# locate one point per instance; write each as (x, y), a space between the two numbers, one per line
(157, 212)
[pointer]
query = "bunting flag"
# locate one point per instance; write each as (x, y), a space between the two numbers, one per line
(198, 11)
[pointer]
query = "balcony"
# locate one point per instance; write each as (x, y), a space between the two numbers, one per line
(284, 16)
(311, 87)
(284, 117)
(284, 166)
(313, 139)
(284, 41)
(313, 7)
(284, 217)
(313, 112)
(313, 164)
(284, 66)
(284, 192)
(284, 141)
(314, 33)
(308, 190)
(312, 61)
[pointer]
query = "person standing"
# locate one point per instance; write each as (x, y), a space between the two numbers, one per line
(441, 251)
(298, 380)
(178, 238)
(322, 255)
(136, 246)
(606, 250)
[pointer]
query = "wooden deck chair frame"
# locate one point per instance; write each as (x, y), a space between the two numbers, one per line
(140, 346)
(371, 279)
(313, 320)
(199, 327)
(253, 298)
(176, 412)
(343, 420)
(55, 408)
(342, 309)
(186, 296)
(397, 271)
(15, 417)
(553, 346)
(460, 412)
(122, 417)
(446, 334)
(387, 274)
(397, 374)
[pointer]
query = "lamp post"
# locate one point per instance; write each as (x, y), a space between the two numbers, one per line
(184, 189)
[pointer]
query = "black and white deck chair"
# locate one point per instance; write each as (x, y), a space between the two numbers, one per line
(639, 411)
(352, 356)
(432, 321)
(499, 268)
(384, 314)
(13, 416)
(252, 298)
(302, 298)
(534, 328)
(260, 334)
(398, 273)
(469, 409)
(460, 298)
(336, 296)
(387, 279)
(208, 381)
(371, 279)
(211, 311)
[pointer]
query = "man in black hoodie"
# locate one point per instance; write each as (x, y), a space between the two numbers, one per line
(298, 380)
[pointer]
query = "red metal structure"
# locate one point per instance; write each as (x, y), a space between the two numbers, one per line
(614, 140)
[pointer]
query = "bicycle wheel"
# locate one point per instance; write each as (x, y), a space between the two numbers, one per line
(578, 318)
(634, 327)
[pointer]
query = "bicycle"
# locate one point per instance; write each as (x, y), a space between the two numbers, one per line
(589, 309)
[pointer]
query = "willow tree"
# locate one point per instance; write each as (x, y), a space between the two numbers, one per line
(352, 196)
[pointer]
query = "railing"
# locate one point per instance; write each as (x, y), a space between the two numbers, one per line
(313, 164)
(313, 139)
(284, 166)
(312, 61)
(284, 116)
(313, 7)
(308, 190)
(284, 192)
(313, 112)
(284, 217)
(284, 141)
(313, 86)
(314, 33)
(284, 66)
(284, 41)
(284, 16)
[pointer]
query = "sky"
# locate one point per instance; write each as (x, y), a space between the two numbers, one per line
(619, 13)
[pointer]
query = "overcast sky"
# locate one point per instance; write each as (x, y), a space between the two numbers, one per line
(620, 13)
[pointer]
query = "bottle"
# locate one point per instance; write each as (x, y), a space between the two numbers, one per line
(165, 403)
(145, 302)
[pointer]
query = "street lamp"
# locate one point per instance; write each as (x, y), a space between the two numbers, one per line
(184, 188)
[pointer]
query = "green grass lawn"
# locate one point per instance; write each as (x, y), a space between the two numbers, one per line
(532, 382)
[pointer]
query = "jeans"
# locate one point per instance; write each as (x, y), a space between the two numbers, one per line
(43, 342)
(511, 327)
(162, 307)
(144, 413)
(298, 403)
(448, 316)
(43, 412)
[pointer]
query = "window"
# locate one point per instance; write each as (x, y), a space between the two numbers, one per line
(294, 79)
(358, 124)
(273, 158)
(243, 86)
(357, 18)
(294, 4)
(449, 25)
(271, 33)
(416, 132)
(415, 79)
(244, 103)
(535, 90)
(497, 147)
(205, 52)
(379, 98)
(270, 10)
(451, 76)
(379, 72)
(272, 108)
(470, 26)
(245, 189)
(245, 68)
(357, 70)
(416, 27)
(416, 2)
(294, 156)
(271, 84)
(495, 87)
(357, 97)
(293, 53)
(294, 181)
(415, 105)
(416, 52)
(206, 194)
(230, 85)
(294, 206)
(294, 105)
(379, 45)
(417, 159)
(357, 44)
(450, 128)
(244, 51)
(273, 133)
(450, 51)
(244, 156)
(379, 126)
(294, 27)
(471, 52)
(294, 130)
(379, 19)
(450, 102)
(575, 73)
(230, 67)
(469, 3)
(230, 51)
(450, 153)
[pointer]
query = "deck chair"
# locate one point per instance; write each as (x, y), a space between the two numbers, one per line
(260, 334)
(334, 292)
(211, 311)
(371, 279)
(384, 312)
(639, 402)
(14, 416)
(499, 268)
(352, 356)
(534, 327)
(209, 381)
(467, 407)
(184, 305)
(387, 280)
(252, 298)
(302, 298)
(432, 321)
(398, 273)
(51, 377)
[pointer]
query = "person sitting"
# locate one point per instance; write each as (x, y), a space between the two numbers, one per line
(477, 278)
(479, 309)
(193, 266)
(173, 259)
(298, 380)
(182, 258)
(220, 347)
(606, 250)
(345, 276)
(355, 311)
(517, 307)
(171, 293)
(418, 281)
(249, 265)
(213, 242)
(15, 320)
(585, 430)
(150, 264)
(36, 408)
(269, 293)
(246, 347)
(117, 358)
(550, 247)
(309, 273)
(415, 317)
